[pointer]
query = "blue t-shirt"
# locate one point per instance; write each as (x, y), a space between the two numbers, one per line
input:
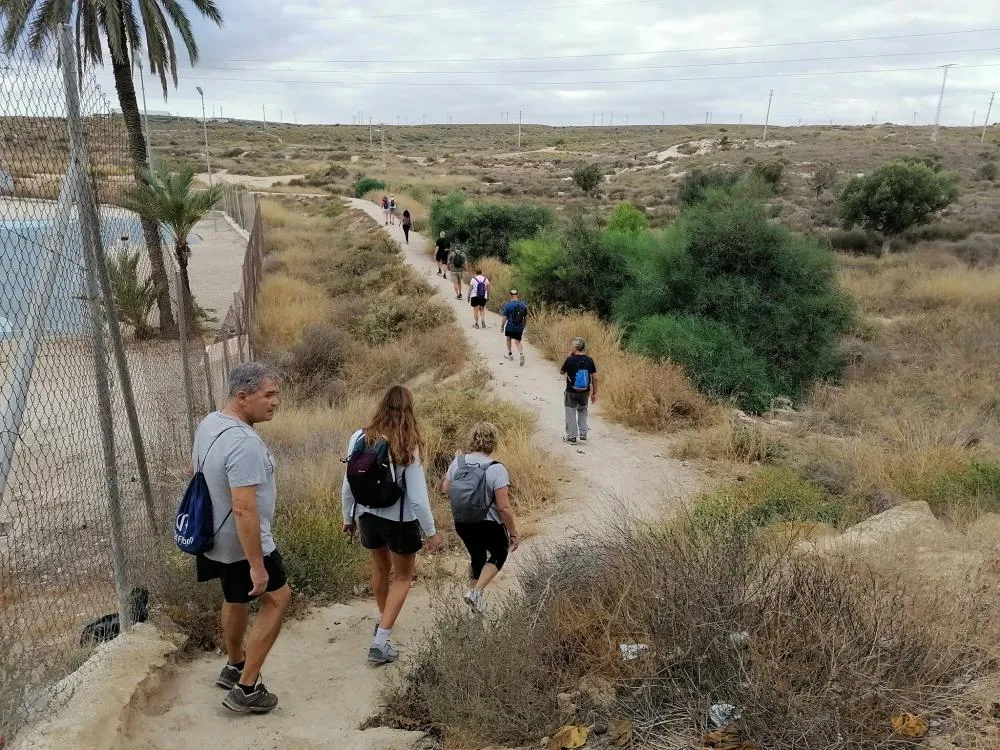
(508, 313)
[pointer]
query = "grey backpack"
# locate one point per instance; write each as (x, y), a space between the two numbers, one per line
(470, 497)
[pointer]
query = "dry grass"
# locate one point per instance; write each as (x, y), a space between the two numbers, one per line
(731, 440)
(289, 306)
(633, 390)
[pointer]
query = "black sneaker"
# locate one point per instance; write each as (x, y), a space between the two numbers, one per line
(583, 438)
(260, 701)
(228, 678)
(571, 441)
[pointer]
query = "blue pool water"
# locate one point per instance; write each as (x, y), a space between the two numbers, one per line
(23, 245)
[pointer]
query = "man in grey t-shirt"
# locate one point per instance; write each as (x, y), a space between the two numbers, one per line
(239, 471)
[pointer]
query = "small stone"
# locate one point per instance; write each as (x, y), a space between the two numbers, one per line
(600, 728)
(565, 703)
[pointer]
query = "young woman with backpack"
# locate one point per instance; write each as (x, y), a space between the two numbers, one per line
(385, 209)
(478, 488)
(384, 501)
(407, 223)
(479, 293)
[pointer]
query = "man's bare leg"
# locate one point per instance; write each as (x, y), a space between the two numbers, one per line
(264, 632)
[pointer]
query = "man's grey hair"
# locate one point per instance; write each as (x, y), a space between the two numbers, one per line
(579, 344)
(248, 377)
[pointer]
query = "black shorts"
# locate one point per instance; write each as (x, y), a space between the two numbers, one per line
(235, 577)
(377, 532)
(487, 542)
(478, 301)
(441, 256)
(513, 333)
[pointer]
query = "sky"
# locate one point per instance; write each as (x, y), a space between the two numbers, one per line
(581, 62)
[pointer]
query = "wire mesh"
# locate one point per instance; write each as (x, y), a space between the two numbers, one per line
(60, 512)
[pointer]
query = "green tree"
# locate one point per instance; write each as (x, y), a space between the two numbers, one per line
(895, 197)
(587, 177)
(627, 218)
(123, 26)
(169, 198)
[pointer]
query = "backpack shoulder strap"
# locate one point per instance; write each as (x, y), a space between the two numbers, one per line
(201, 462)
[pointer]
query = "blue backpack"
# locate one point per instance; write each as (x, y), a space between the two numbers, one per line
(581, 381)
(194, 525)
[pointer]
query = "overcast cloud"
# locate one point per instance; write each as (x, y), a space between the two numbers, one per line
(325, 61)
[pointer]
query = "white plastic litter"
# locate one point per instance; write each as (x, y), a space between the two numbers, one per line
(721, 714)
(632, 651)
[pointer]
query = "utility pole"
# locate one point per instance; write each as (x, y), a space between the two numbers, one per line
(611, 119)
(602, 119)
(767, 117)
(741, 121)
(383, 146)
(914, 119)
(369, 131)
(263, 109)
(663, 118)
(937, 115)
(986, 124)
(973, 119)
(518, 130)
(706, 118)
(626, 121)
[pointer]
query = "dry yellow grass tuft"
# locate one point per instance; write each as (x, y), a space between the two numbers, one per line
(633, 390)
(287, 307)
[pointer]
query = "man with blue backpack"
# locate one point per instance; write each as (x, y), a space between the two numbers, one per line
(581, 390)
(515, 318)
(225, 520)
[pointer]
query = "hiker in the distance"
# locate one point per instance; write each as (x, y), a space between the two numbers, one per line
(407, 223)
(392, 209)
(581, 390)
(479, 293)
(441, 248)
(478, 488)
(384, 499)
(515, 318)
(385, 209)
(456, 265)
(239, 471)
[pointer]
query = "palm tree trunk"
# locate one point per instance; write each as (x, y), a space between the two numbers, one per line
(150, 229)
(183, 253)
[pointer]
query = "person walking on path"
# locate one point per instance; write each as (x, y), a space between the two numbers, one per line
(581, 390)
(478, 488)
(385, 210)
(441, 248)
(239, 471)
(456, 265)
(479, 293)
(392, 209)
(515, 318)
(407, 223)
(385, 502)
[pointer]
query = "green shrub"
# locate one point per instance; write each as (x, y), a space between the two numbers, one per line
(627, 218)
(770, 172)
(321, 562)
(134, 296)
(366, 185)
(487, 229)
(587, 177)
(988, 171)
(970, 490)
(771, 496)
(723, 261)
(712, 355)
(850, 240)
(695, 183)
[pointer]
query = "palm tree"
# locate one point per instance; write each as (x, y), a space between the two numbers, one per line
(124, 25)
(169, 198)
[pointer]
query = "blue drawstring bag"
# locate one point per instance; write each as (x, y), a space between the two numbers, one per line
(194, 525)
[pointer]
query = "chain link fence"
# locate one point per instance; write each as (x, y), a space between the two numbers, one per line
(96, 400)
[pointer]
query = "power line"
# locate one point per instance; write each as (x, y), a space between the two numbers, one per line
(634, 67)
(769, 45)
(616, 82)
(485, 11)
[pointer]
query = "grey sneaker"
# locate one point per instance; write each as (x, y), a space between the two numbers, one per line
(382, 655)
(522, 360)
(260, 701)
(571, 441)
(509, 357)
(228, 678)
(583, 438)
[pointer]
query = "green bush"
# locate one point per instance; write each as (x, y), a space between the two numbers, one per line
(770, 172)
(627, 218)
(134, 296)
(850, 240)
(487, 229)
(712, 354)
(697, 182)
(587, 177)
(769, 497)
(970, 490)
(581, 269)
(366, 185)
(723, 261)
(321, 562)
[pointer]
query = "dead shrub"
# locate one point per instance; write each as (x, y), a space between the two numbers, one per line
(732, 440)
(815, 653)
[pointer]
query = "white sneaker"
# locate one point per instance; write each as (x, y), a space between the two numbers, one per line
(509, 357)
(476, 599)
(522, 360)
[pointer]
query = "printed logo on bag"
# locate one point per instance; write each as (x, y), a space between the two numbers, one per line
(182, 523)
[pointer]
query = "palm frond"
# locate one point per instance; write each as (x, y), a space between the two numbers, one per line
(170, 198)
(50, 14)
(110, 14)
(88, 31)
(16, 14)
(168, 41)
(183, 25)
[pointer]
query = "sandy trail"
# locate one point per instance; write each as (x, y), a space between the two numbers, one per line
(317, 666)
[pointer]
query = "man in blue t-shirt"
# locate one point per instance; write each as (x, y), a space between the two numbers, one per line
(515, 317)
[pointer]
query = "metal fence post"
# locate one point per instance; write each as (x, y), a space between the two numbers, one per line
(207, 364)
(101, 373)
(185, 363)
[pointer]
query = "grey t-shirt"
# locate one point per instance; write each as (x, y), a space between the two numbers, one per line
(497, 478)
(238, 458)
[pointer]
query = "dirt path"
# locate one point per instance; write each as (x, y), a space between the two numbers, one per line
(317, 665)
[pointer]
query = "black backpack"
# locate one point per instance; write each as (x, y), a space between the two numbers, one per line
(458, 259)
(518, 315)
(371, 475)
